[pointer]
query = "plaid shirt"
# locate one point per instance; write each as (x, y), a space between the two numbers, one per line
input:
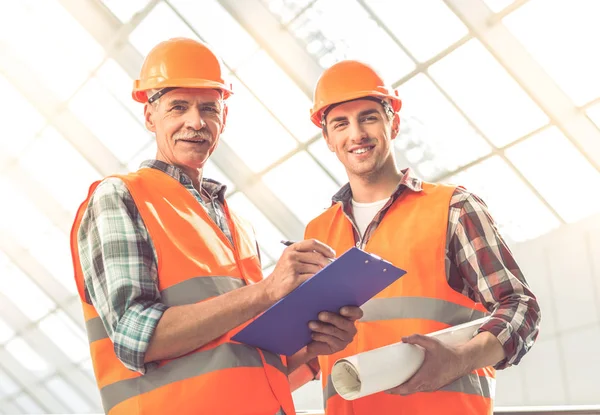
(479, 265)
(119, 261)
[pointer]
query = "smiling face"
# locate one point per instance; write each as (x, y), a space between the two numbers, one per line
(188, 123)
(361, 134)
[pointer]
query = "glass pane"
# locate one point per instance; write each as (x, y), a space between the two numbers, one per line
(120, 84)
(211, 171)
(425, 27)
(286, 10)
(7, 385)
(48, 24)
(267, 234)
(211, 21)
(30, 360)
(520, 215)
(302, 185)
(487, 94)
(253, 133)
(331, 38)
(329, 160)
(27, 404)
(50, 247)
(161, 24)
(279, 93)
(498, 5)
(68, 180)
(107, 120)
(6, 332)
(434, 137)
(88, 368)
(147, 153)
(124, 10)
(19, 119)
(66, 335)
(19, 218)
(63, 391)
(568, 55)
(594, 113)
(559, 152)
(24, 293)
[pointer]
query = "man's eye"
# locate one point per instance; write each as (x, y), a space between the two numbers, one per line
(178, 108)
(210, 109)
(370, 118)
(340, 124)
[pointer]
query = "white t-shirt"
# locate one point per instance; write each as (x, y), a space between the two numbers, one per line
(365, 212)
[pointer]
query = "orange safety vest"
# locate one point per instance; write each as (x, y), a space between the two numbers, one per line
(196, 262)
(412, 236)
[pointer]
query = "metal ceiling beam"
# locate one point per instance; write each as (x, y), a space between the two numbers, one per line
(27, 82)
(281, 45)
(530, 75)
(48, 350)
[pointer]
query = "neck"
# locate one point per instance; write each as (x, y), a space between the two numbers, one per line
(195, 175)
(367, 189)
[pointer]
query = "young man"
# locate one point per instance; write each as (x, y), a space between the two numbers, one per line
(458, 266)
(167, 274)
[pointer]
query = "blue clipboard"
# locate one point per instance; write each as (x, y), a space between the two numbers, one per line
(352, 279)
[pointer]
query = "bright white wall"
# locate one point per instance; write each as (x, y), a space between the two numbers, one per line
(563, 270)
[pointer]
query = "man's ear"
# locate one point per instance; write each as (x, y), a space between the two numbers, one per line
(328, 141)
(149, 111)
(395, 125)
(225, 109)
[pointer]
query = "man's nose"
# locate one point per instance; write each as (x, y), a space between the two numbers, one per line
(193, 120)
(357, 132)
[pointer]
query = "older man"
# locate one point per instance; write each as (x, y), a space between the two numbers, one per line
(167, 274)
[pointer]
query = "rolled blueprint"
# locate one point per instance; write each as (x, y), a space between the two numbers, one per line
(387, 367)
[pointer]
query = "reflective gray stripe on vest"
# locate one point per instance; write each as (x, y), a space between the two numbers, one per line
(328, 392)
(471, 384)
(198, 289)
(224, 356)
(95, 329)
(189, 291)
(418, 308)
(275, 361)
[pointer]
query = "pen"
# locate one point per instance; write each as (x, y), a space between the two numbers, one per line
(288, 243)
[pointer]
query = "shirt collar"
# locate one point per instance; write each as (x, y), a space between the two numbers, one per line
(211, 186)
(407, 181)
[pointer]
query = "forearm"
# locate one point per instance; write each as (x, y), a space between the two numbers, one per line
(482, 350)
(299, 372)
(183, 329)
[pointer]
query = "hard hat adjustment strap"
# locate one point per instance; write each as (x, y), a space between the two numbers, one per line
(159, 94)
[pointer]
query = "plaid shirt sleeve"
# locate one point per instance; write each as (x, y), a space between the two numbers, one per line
(120, 272)
(482, 267)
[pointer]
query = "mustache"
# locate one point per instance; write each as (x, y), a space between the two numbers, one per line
(203, 134)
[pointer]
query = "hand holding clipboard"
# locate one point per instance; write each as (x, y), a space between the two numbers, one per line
(352, 279)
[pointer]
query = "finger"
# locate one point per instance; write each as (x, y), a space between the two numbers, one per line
(333, 331)
(351, 312)
(309, 245)
(333, 342)
(425, 342)
(311, 257)
(337, 320)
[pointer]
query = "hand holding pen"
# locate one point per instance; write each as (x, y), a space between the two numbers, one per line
(289, 243)
(299, 262)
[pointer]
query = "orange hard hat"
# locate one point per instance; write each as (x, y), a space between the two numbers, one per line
(345, 81)
(179, 62)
